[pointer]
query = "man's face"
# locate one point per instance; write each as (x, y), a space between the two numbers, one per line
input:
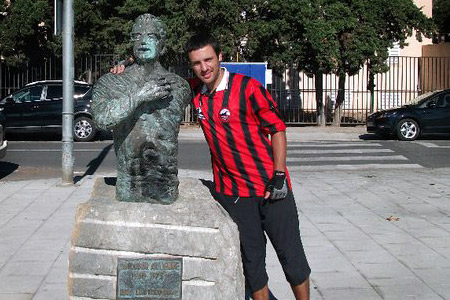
(146, 45)
(206, 65)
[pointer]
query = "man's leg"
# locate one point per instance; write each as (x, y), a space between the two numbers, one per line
(262, 294)
(245, 212)
(282, 227)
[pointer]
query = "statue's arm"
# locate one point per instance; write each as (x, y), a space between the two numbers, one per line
(182, 88)
(112, 101)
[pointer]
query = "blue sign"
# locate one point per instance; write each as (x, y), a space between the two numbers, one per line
(254, 70)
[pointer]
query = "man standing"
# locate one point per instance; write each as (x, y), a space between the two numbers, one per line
(237, 116)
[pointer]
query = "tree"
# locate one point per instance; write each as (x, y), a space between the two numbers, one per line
(342, 36)
(441, 17)
(331, 36)
(103, 26)
(25, 29)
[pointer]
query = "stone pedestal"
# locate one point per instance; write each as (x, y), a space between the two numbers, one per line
(194, 228)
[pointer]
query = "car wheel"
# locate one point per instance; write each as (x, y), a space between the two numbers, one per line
(408, 130)
(84, 129)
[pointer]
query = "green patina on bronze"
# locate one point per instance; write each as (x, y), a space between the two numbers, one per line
(144, 107)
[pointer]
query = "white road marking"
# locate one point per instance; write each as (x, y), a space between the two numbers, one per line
(345, 158)
(354, 167)
(431, 145)
(339, 151)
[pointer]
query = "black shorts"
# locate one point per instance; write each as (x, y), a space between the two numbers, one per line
(279, 220)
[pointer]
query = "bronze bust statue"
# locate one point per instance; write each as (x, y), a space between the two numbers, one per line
(144, 107)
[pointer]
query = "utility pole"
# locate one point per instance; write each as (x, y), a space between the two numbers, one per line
(68, 78)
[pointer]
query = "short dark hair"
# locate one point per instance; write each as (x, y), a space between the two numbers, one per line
(201, 40)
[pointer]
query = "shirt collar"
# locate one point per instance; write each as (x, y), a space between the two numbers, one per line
(223, 85)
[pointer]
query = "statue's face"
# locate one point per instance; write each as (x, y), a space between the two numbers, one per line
(147, 42)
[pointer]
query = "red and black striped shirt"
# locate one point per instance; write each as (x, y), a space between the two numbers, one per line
(237, 119)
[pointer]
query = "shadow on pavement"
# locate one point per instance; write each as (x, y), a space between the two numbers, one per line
(33, 136)
(110, 181)
(102, 135)
(373, 136)
(210, 185)
(95, 163)
(7, 168)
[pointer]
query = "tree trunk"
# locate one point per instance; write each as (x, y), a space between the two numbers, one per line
(371, 88)
(318, 80)
(339, 101)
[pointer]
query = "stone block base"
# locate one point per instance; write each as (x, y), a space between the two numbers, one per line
(195, 228)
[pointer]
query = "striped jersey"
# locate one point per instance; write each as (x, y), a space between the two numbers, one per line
(237, 118)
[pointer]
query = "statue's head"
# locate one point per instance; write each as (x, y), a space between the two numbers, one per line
(149, 38)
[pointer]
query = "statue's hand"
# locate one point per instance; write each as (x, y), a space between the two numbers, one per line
(155, 90)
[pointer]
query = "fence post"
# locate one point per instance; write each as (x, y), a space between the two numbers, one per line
(371, 88)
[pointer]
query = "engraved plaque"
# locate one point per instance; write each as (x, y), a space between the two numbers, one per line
(149, 279)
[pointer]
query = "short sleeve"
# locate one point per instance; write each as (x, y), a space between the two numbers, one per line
(265, 108)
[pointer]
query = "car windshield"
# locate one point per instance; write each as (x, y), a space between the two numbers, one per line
(418, 99)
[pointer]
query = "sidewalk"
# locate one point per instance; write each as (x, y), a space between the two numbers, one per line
(306, 133)
(367, 234)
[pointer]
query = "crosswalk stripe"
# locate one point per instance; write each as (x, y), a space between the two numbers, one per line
(338, 151)
(331, 145)
(344, 158)
(431, 145)
(353, 167)
(343, 155)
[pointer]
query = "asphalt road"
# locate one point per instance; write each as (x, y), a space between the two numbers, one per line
(42, 158)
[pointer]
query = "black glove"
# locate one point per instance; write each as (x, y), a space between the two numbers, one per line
(278, 186)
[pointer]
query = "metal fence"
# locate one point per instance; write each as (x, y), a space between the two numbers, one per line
(407, 78)
(294, 91)
(87, 69)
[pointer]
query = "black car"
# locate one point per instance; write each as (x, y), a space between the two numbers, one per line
(37, 107)
(426, 114)
(3, 142)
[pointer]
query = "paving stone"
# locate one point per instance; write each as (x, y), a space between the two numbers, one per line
(354, 252)
(350, 293)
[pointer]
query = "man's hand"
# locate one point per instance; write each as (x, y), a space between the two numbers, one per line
(120, 67)
(277, 188)
(117, 69)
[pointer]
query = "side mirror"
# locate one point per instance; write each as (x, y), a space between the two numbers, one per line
(431, 104)
(9, 100)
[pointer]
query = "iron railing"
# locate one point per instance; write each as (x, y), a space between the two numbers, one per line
(294, 91)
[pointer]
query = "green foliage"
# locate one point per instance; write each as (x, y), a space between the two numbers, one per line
(318, 36)
(104, 26)
(441, 16)
(24, 31)
(343, 35)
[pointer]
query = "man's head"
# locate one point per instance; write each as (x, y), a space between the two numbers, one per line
(205, 57)
(149, 37)
(201, 40)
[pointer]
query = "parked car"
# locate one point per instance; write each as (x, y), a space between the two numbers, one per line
(37, 107)
(287, 99)
(289, 103)
(426, 114)
(3, 142)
